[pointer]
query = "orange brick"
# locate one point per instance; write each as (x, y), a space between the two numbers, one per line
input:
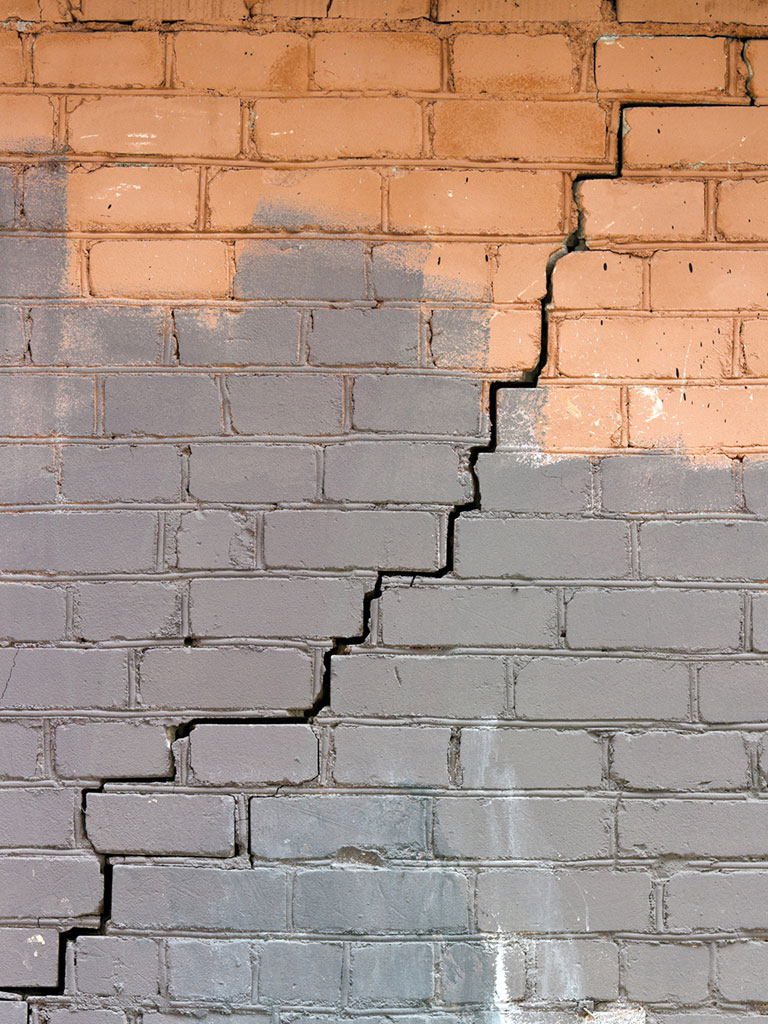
(206, 11)
(129, 198)
(582, 416)
(512, 64)
(756, 53)
(166, 126)
(598, 280)
(709, 279)
(698, 417)
(102, 59)
(11, 60)
(395, 61)
(476, 202)
(742, 209)
(521, 275)
(695, 136)
(694, 12)
(167, 269)
(26, 124)
(23, 10)
(331, 128)
(242, 61)
(370, 9)
(434, 270)
(754, 347)
(497, 129)
(628, 210)
(660, 65)
(334, 198)
(518, 10)
(486, 339)
(650, 346)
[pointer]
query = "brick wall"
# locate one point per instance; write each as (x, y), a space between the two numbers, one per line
(383, 447)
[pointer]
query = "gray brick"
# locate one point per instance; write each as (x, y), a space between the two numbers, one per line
(510, 757)
(454, 686)
(207, 1017)
(391, 755)
(402, 403)
(241, 754)
(21, 750)
(272, 607)
(302, 404)
(733, 691)
(13, 1012)
(580, 969)
(362, 901)
(50, 678)
(563, 899)
(162, 824)
(668, 483)
(755, 471)
(383, 336)
(541, 548)
(28, 612)
(96, 335)
(27, 474)
(77, 1015)
(13, 344)
(602, 689)
(395, 472)
(466, 338)
(469, 972)
(521, 418)
(390, 974)
(668, 760)
(284, 828)
(49, 886)
(253, 472)
(717, 901)
(88, 541)
(520, 483)
(115, 750)
(200, 969)
(121, 472)
(7, 198)
(162, 405)
(255, 336)
(440, 615)
(699, 550)
(309, 269)
(38, 818)
(691, 828)
(411, 271)
(330, 539)
(522, 828)
(760, 622)
(167, 897)
(107, 965)
(215, 539)
(743, 971)
(28, 958)
(301, 972)
(41, 405)
(110, 611)
(36, 268)
(662, 973)
(674, 620)
(45, 197)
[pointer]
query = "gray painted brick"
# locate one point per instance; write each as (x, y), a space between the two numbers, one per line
(78, 1015)
(760, 622)
(464, 337)
(112, 749)
(663, 973)
(36, 267)
(49, 886)
(21, 750)
(38, 818)
(323, 825)
(121, 472)
(161, 824)
(402, 403)
(253, 472)
(693, 828)
(108, 611)
(391, 755)
(302, 404)
(87, 541)
(742, 974)
(27, 474)
(390, 974)
(708, 551)
(469, 972)
(7, 197)
(668, 760)
(50, 678)
(251, 336)
(108, 965)
(755, 475)
(206, 1016)
(668, 483)
(301, 973)
(520, 413)
(28, 612)
(45, 197)
(309, 269)
(383, 336)
(395, 472)
(401, 270)
(733, 691)
(717, 901)
(41, 405)
(215, 539)
(13, 1012)
(28, 958)
(202, 969)
(521, 483)
(241, 754)
(13, 343)
(522, 758)
(162, 405)
(96, 335)
(674, 620)
(580, 969)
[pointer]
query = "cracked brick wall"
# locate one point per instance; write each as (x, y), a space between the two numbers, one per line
(383, 511)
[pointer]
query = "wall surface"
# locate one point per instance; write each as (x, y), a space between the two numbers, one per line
(383, 511)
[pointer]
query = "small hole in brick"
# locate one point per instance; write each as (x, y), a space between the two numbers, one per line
(190, 641)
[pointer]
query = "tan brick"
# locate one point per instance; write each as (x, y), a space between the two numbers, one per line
(329, 128)
(11, 59)
(160, 269)
(165, 126)
(26, 124)
(598, 280)
(242, 61)
(333, 198)
(742, 210)
(370, 9)
(697, 137)
(698, 417)
(99, 59)
(394, 61)
(582, 416)
(709, 279)
(749, 12)
(129, 198)
(506, 64)
(211, 11)
(663, 64)
(754, 346)
(518, 10)
(293, 8)
(476, 202)
(521, 275)
(629, 210)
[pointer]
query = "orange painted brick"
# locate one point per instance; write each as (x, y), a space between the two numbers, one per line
(32, 10)
(166, 126)
(663, 64)
(486, 339)
(432, 270)
(332, 198)
(598, 280)
(695, 136)
(211, 12)
(242, 61)
(331, 128)
(130, 198)
(11, 60)
(754, 347)
(709, 279)
(629, 210)
(694, 12)
(756, 53)
(742, 210)
(512, 64)
(497, 129)
(650, 346)
(395, 61)
(698, 417)
(99, 59)
(476, 202)
(26, 124)
(521, 274)
(370, 9)
(518, 10)
(167, 269)
(581, 416)
(292, 8)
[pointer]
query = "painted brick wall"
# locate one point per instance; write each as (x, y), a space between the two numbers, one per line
(384, 507)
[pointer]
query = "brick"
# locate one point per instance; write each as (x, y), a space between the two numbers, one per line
(27, 123)
(405, 9)
(551, 417)
(721, 901)
(691, 828)
(292, 404)
(496, 548)
(110, 611)
(296, 827)
(50, 678)
(600, 280)
(121, 472)
(515, 758)
(516, 483)
(27, 474)
(227, 11)
(9, 216)
(741, 971)
(14, 1012)
(35, 405)
(741, 213)
(476, 202)
(660, 65)
(752, 341)
(253, 472)
(209, 970)
(391, 756)
(759, 622)
(527, 828)
(575, 969)
(444, 616)
(99, 60)
(664, 760)
(58, 887)
(416, 404)
(733, 692)
(710, 417)
(82, 335)
(235, 337)
(709, 280)
(37, 818)
(468, 973)
(398, 472)
(162, 405)
(518, 10)
(28, 957)
(107, 965)
(521, 271)
(324, 269)
(668, 483)
(12, 58)
(695, 137)
(301, 972)
(563, 899)
(435, 270)
(755, 56)
(133, 198)
(160, 269)
(361, 901)
(215, 539)
(66, 1015)
(241, 754)
(485, 339)
(241, 62)
(674, 620)
(385, 973)
(86, 541)
(391, 61)
(181, 125)
(38, 267)
(385, 336)
(663, 973)
(114, 749)
(676, 550)
(32, 613)
(730, 11)
(21, 752)
(509, 64)
(163, 896)
(624, 210)
(601, 689)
